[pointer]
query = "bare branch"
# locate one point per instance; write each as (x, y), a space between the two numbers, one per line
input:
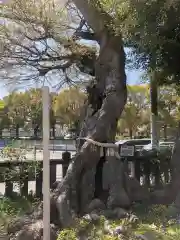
(31, 43)
(93, 14)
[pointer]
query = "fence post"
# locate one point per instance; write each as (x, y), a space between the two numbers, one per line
(66, 157)
(24, 187)
(126, 165)
(52, 173)
(137, 169)
(8, 188)
(147, 172)
(132, 167)
(8, 180)
(39, 179)
(165, 168)
(24, 181)
(157, 175)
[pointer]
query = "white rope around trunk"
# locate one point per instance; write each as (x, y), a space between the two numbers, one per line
(114, 148)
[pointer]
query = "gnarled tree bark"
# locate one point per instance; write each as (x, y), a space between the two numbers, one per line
(99, 124)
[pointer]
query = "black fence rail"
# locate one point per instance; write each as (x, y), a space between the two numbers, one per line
(145, 169)
(23, 172)
(150, 168)
(37, 144)
(36, 133)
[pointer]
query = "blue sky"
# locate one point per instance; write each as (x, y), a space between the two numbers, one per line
(133, 77)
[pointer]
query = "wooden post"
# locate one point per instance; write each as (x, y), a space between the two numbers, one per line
(166, 170)
(126, 165)
(23, 180)
(34, 153)
(147, 172)
(39, 180)
(24, 187)
(8, 179)
(46, 165)
(52, 174)
(137, 169)
(157, 175)
(132, 167)
(66, 156)
(8, 188)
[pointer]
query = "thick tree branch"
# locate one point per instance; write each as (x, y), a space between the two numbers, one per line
(93, 14)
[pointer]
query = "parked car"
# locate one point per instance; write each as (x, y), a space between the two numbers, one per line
(70, 136)
(162, 145)
(139, 143)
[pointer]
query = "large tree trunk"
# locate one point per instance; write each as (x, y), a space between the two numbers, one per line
(100, 122)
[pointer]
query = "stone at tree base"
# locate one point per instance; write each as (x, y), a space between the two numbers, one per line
(120, 213)
(118, 231)
(149, 235)
(177, 201)
(111, 170)
(87, 188)
(65, 214)
(112, 181)
(118, 198)
(34, 231)
(55, 184)
(115, 214)
(141, 237)
(136, 192)
(96, 204)
(92, 217)
(173, 211)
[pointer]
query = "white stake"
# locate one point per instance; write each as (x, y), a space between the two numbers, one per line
(46, 165)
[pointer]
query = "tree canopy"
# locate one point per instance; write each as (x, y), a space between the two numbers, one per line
(37, 44)
(42, 39)
(67, 107)
(151, 30)
(41, 42)
(25, 108)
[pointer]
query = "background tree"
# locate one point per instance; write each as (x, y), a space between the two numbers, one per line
(17, 105)
(24, 110)
(136, 113)
(151, 29)
(4, 119)
(68, 106)
(168, 102)
(34, 116)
